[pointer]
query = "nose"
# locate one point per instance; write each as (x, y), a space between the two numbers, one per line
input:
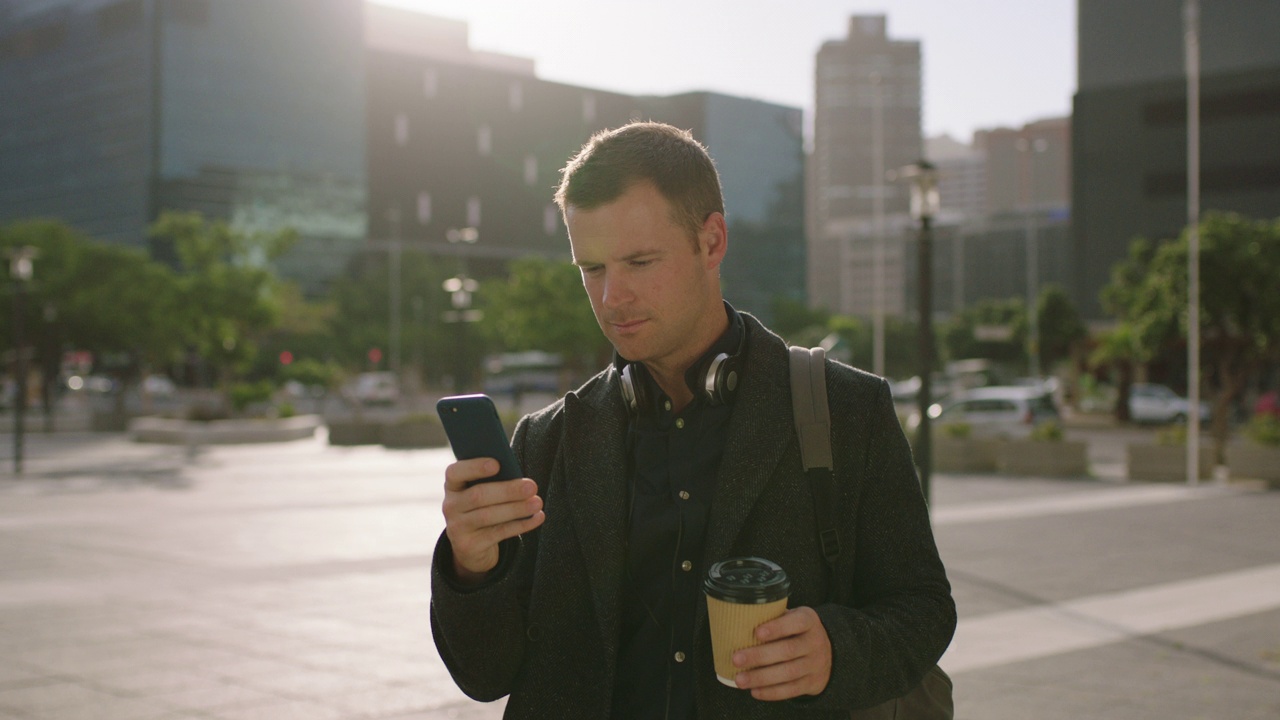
(615, 291)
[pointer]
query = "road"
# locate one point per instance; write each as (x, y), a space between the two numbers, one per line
(290, 581)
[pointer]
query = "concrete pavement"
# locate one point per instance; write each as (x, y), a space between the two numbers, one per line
(290, 581)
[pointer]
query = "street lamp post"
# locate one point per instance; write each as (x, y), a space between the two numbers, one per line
(460, 289)
(393, 270)
(1032, 148)
(20, 270)
(924, 206)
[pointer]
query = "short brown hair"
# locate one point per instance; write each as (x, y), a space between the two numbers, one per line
(613, 160)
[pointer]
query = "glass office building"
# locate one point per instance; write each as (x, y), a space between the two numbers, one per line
(251, 111)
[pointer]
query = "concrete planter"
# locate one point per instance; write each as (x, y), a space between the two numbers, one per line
(414, 434)
(963, 455)
(1042, 458)
(1248, 460)
(1165, 463)
(354, 432)
(222, 432)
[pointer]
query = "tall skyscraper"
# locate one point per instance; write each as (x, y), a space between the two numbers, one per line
(1129, 145)
(867, 122)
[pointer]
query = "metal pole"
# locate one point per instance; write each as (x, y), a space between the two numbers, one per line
(877, 211)
(924, 444)
(1033, 264)
(393, 268)
(1191, 18)
(20, 369)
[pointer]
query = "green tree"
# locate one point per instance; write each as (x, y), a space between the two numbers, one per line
(361, 318)
(1062, 332)
(1239, 313)
(106, 299)
(230, 293)
(543, 306)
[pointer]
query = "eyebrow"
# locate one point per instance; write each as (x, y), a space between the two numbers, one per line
(626, 258)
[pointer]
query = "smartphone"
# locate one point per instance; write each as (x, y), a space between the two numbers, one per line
(474, 430)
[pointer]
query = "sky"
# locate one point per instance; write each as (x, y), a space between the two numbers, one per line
(987, 63)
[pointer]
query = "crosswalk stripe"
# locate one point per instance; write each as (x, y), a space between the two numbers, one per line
(1044, 630)
(1085, 501)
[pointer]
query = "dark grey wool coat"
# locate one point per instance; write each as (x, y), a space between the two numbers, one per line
(544, 627)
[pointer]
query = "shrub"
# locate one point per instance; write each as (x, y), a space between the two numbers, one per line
(285, 410)
(1264, 429)
(1047, 432)
(1172, 436)
(958, 430)
(242, 395)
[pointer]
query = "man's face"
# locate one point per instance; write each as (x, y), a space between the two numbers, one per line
(656, 297)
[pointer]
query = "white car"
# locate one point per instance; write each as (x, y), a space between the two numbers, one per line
(997, 411)
(375, 388)
(1151, 403)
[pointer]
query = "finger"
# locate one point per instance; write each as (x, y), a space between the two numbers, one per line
(773, 653)
(480, 517)
(784, 691)
(458, 475)
(467, 545)
(793, 622)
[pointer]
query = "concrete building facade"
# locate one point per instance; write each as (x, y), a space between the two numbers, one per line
(867, 122)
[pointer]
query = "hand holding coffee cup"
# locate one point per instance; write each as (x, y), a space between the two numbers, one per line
(742, 593)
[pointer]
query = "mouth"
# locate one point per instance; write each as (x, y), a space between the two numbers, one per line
(626, 327)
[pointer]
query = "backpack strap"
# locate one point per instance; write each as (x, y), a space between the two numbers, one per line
(813, 426)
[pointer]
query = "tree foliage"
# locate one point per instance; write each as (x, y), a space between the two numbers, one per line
(230, 293)
(1062, 332)
(110, 300)
(542, 306)
(1239, 312)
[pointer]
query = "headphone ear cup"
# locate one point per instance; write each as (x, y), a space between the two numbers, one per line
(633, 392)
(721, 381)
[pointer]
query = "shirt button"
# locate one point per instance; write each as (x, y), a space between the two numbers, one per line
(686, 566)
(679, 657)
(684, 494)
(680, 423)
(666, 405)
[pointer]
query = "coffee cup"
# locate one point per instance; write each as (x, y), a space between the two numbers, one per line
(742, 593)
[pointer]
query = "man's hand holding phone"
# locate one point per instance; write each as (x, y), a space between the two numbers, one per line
(485, 499)
(479, 515)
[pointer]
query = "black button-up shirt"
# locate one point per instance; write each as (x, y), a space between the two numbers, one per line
(673, 477)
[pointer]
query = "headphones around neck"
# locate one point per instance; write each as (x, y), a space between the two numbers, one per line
(717, 383)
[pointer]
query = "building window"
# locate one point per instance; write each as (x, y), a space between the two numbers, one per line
(484, 140)
(424, 207)
(473, 211)
(530, 170)
(430, 82)
(402, 129)
(551, 219)
(588, 109)
(515, 97)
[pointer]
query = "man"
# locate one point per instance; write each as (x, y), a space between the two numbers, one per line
(577, 590)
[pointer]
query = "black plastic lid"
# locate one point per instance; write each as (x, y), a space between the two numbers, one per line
(747, 580)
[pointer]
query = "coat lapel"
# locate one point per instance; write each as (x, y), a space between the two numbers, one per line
(596, 491)
(760, 430)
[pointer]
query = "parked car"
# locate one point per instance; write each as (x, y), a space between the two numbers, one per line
(1152, 403)
(997, 411)
(375, 388)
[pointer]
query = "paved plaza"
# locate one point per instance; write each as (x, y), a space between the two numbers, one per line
(291, 581)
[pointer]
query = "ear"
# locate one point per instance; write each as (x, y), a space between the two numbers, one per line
(713, 239)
